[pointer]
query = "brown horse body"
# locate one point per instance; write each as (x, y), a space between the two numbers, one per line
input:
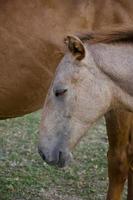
(31, 33)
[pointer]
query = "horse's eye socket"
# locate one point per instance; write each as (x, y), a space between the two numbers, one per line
(60, 92)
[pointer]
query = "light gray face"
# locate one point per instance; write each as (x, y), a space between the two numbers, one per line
(75, 100)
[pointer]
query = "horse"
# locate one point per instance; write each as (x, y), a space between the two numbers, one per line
(30, 31)
(93, 78)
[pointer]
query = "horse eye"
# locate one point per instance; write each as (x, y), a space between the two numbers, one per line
(60, 92)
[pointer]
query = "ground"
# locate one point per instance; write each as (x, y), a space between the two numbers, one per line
(24, 176)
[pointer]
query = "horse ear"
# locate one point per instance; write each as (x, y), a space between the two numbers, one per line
(76, 46)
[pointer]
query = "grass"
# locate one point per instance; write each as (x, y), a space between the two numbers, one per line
(24, 176)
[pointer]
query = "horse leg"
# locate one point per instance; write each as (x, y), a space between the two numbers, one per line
(130, 173)
(130, 185)
(118, 124)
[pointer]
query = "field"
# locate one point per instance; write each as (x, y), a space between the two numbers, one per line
(24, 176)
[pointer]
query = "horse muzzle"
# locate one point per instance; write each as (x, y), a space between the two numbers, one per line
(56, 157)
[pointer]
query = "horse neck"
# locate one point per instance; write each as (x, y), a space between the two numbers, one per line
(116, 62)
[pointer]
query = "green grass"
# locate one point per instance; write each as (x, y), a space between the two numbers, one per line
(24, 176)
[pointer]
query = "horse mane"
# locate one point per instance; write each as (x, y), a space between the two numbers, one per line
(116, 34)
